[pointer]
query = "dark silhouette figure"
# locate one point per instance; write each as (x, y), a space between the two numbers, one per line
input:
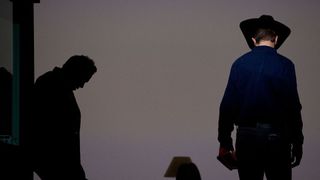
(5, 101)
(12, 159)
(188, 171)
(261, 99)
(12, 162)
(7, 151)
(56, 124)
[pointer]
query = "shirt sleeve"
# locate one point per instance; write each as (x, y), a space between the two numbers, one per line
(228, 112)
(293, 106)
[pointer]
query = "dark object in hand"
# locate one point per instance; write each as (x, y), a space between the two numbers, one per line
(228, 160)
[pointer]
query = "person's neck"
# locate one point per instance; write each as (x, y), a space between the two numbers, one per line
(266, 43)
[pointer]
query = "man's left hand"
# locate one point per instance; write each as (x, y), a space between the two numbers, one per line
(296, 155)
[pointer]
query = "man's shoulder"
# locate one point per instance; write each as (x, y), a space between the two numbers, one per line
(251, 56)
(243, 58)
(53, 74)
(285, 59)
(49, 79)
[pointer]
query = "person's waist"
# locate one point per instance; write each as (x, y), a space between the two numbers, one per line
(257, 125)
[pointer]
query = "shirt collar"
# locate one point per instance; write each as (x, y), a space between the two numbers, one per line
(264, 48)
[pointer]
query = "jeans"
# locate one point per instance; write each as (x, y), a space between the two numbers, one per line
(260, 151)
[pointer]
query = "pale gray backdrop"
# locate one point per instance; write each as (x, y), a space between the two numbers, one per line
(162, 70)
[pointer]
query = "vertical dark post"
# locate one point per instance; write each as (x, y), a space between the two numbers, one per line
(23, 79)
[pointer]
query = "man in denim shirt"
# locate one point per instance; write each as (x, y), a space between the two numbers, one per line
(261, 99)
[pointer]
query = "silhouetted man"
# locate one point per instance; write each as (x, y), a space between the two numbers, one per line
(8, 153)
(5, 101)
(56, 126)
(261, 99)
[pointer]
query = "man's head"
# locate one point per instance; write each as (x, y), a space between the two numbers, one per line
(264, 27)
(78, 70)
(265, 37)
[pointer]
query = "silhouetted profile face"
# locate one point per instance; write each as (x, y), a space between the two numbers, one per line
(78, 71)
(80, 80)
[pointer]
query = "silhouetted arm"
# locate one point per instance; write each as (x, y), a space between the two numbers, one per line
(228, 112)
(295, 123)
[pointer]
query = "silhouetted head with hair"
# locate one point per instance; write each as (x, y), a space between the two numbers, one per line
(188, 171)
(78, 70)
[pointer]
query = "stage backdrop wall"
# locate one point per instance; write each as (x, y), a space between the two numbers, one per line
(162, 70)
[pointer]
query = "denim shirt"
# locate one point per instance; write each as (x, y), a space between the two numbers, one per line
(261, 88)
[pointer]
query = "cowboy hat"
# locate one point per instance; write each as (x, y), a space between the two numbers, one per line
(250, 26)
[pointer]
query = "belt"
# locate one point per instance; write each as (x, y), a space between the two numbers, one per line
(257, 125)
